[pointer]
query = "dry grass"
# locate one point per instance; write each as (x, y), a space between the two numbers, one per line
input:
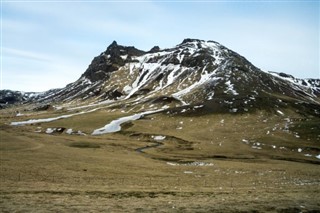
(46, 173)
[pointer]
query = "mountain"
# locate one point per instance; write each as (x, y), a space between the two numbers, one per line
(10, 97)
(193, 124)
(191, 73)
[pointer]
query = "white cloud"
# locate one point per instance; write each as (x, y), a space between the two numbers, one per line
(17, 54)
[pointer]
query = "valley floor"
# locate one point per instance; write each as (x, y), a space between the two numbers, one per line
(43, 172)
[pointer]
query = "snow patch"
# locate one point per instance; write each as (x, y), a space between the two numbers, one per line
(234, 110)
(245, 141)
(159, 137)
(199, 106)
(210, 96)
(127, 89)
(124, 57)
(256, 147)
(195, 163)
(184, 110)
(165, 107)
(80, 133)
(45, 120)
(230, 88)
(50, 130)
(205, 77)
(69, 131)
(115, 125)
(281, 113)
(19, 114)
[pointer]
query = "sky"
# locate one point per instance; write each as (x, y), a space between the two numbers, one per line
(48, 44)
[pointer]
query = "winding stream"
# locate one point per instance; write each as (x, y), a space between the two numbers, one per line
(115, 126)
(155, 145)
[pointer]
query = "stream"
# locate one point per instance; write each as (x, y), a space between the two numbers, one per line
(115, 126)
(155, 145)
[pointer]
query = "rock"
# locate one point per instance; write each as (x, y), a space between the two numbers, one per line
(44, 107)
(154, 49)
(113, 94)
(109, 61)
(58, 130)
(187, 40)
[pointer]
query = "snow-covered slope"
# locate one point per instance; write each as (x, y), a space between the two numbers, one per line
(312, 85)
(193, 72)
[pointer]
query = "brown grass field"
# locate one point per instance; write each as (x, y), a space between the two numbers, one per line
(256, 162)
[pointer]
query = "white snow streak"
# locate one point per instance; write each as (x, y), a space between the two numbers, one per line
(159, 137)
(115, 125)
(45, 120)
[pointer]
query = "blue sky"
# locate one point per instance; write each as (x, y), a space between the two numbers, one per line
(48, 44)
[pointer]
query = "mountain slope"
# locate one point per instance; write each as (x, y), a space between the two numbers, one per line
(193, 72)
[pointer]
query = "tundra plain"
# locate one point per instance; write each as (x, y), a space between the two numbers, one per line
(163, 162)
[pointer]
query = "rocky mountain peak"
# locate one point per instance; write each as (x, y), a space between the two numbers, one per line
(110, 60)
(154, 49)
(188, 40)
(115, 50)
(113, 45)
(200, 44)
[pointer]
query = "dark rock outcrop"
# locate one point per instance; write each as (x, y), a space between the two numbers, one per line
(109, 61)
